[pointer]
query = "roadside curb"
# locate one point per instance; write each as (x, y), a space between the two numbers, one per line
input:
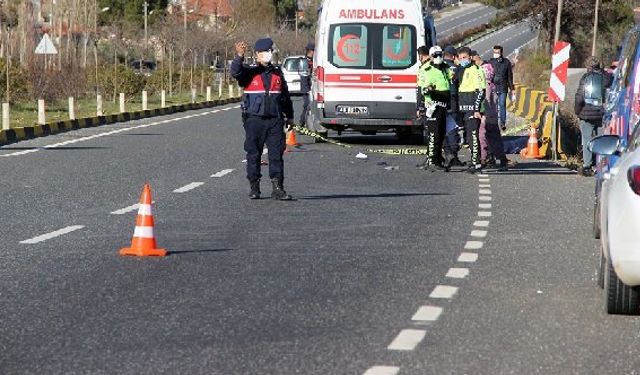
(30, 132)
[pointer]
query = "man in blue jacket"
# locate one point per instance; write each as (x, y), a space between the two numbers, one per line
(266, 107)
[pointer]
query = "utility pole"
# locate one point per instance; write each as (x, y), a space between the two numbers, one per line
(184, 14)
(554, 129)
(558, 21)
(595, 28)
(146, 24)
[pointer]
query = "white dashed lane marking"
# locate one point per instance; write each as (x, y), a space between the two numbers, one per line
(458, 273)
(485, 198)
(484, 214)
(427, 314)
(407, 339)
(382, 370)
(485, 186)
(444, 291)
(485, 192)
(468, 258)
(473, 245)
(189, 187)
(479, 233)
(222, 173)
(51, 235)
(484, 180)
(485, 206)
(481, 224)
(126, 210)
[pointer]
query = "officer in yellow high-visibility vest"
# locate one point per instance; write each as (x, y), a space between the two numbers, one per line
(433, 100)
(471, 94)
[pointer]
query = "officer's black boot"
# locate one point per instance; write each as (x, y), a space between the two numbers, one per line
(278, 192)
(448, 161)
(255, 189)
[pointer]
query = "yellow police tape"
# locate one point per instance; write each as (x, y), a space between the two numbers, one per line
(385, 151)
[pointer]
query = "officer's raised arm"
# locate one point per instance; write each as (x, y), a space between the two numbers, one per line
(238, 69)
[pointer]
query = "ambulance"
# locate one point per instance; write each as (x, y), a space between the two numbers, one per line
(366, 65)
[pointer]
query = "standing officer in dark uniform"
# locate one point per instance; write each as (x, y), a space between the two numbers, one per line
(305, 82)
(266, 108)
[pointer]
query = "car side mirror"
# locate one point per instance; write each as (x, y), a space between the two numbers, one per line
(605, 145)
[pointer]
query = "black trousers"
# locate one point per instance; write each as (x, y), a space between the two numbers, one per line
(305, 108)
(258, 132)
(434, 130)
(472, 129)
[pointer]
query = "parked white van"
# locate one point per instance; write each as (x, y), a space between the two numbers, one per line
(366, 65)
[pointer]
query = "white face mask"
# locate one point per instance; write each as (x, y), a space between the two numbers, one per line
(267, 57)
(438, 60)
(496, 56)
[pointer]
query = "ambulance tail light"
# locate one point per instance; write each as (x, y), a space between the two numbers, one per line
(320, 92)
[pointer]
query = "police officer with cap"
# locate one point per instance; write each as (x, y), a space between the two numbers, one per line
(433, 101)
(305, 82)
(266, 107)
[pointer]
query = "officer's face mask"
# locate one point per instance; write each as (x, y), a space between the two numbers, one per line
(438, 59)
(496, 55)
(465, 62)
(266, 57)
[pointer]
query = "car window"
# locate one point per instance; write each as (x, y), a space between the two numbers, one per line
(294, 64)
(628, 56)
(397, 46)
(349, 44)
(634, 140)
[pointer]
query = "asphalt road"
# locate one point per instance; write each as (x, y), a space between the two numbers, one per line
(376, 268)
(459, 21)
(512, 38)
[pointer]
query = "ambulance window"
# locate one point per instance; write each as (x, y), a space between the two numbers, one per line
(349, 46)
(398, 46)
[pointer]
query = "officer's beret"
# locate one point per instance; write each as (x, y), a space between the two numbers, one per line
(451, 50)
(264, 44)
(311, 46)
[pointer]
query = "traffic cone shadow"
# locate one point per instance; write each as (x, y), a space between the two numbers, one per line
(144, 242)
(533, 149)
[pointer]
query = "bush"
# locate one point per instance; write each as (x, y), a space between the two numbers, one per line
(19, 83)
(116, 79)
(533, 69)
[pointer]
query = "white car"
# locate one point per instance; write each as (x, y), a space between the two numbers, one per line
(619, 271)
(294, 69)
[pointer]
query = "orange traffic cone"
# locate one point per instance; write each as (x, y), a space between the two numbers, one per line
(291, 139)
(533, 150)
(144, 243)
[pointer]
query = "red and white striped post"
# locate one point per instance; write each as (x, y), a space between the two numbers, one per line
(557, 87)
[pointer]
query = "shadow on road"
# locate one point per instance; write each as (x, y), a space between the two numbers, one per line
(538, 168)
(199, 251)
(383, 195)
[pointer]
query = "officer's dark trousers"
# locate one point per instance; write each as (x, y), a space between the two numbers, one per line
(434, 130)
(258, 132)
(472, 129)
(305, 108)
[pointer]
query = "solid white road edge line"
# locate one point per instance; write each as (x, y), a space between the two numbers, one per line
(87, 138)
(51, 235)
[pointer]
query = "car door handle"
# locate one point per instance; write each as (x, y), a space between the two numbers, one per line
(384, 79)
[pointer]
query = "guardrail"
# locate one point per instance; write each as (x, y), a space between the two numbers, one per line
(535, 108)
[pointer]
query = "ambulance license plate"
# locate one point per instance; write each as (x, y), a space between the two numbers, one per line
(352, 110)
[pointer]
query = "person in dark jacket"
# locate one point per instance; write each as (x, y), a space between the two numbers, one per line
(305, 82)
(454, 123)
(589, 107)
(266, 107)
(502, 83)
